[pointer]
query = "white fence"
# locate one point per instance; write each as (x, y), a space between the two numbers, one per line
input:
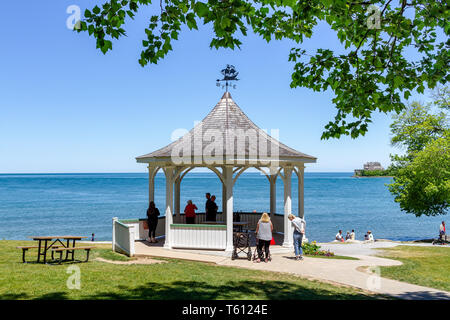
(141, 227)
(197, 236)
(123, 237)
(251, 217)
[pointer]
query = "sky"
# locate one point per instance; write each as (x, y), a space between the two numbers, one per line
(66, 107)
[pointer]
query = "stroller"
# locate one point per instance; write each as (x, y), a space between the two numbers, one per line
(241, 243)
(442, 239)
(255, 253)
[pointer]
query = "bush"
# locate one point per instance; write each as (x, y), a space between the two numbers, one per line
(373, 173)
(312, 249)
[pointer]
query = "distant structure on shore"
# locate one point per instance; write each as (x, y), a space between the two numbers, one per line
(369, 166)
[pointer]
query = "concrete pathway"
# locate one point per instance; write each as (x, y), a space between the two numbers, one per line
(362, 273)
(366, 248)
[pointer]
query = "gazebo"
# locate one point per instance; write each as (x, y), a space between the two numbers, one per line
(227, 142)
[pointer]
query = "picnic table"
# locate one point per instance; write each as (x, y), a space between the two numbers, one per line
(240, 225)
(59, 244)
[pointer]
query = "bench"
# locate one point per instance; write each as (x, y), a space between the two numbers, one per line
(71, 250)
(25, 249)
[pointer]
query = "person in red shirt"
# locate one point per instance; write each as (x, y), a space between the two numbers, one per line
(189, 211)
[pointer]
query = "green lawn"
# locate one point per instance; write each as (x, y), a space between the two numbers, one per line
(425, 266)
(176, 279)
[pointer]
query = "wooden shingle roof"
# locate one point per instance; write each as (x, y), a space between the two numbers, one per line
(228, 123)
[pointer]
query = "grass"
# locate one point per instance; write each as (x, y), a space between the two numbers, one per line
(425, 266)
(176, 279)
(106, 253)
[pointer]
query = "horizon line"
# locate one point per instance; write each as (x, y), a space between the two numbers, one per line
(120, 172)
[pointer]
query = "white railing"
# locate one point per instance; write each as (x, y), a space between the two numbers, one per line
(123, 238)
(125, 232)
(197, 236)
(141, 227)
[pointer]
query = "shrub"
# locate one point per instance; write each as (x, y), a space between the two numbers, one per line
(312, 249)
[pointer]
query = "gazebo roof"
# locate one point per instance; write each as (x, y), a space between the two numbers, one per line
(227, 120)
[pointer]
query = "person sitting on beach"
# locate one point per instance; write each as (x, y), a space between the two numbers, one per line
(263, 232)
(339, 236)
(369, 236)
(348, 236)
(189, 211)
(442, 230)
(352, 235)
(299, 225)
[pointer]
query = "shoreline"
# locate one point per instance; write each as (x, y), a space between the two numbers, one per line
(372, 176)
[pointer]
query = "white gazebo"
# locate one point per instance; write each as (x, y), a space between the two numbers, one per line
(227, 142)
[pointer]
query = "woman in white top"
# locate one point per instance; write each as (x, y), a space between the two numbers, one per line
(264, 230)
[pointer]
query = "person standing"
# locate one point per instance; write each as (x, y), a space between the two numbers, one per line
(442, 230)
(189, 212)
(152, 221)
(263, 232)
(213, 209)
(352, 235)
(299, 225)
(207, 206)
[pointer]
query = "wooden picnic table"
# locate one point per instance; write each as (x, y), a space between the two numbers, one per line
(45, 244)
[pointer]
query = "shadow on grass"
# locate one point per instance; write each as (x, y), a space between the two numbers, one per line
(25, 296)
(188, 290)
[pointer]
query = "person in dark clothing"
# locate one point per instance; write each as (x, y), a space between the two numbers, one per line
(152, 220)
(212, 210)
(207, 206)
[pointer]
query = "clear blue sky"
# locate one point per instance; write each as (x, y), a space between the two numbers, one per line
(66, 107)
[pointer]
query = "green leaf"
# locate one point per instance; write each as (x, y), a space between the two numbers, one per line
(201, 9)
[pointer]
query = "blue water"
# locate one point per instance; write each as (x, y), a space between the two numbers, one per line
(81, 204)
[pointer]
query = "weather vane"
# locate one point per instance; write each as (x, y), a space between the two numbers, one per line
(229, 74)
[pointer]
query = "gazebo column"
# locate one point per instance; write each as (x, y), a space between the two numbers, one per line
(301, 199)
(228, 180)
(224, 202)
(301, 188)
(273, 194)
(151, 183)
(169, 172)
(288, 242)
(177, 187)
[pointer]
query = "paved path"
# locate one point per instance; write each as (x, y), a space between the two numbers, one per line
(346, 272)
(366, 248)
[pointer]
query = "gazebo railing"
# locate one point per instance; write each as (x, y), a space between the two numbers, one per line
(141, 231)
(123, 237)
